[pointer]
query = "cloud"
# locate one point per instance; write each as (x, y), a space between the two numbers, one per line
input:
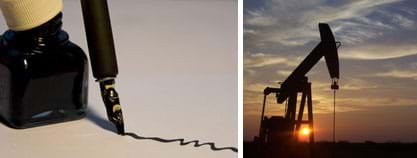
(284, 72)
(378, 51)
(405, 70)
(249, 31)
(257, 87)
(403, 21)
(356, 84)
(273, 23)
(260, 20)
(358, 89)
(258, 60)
(399, 74)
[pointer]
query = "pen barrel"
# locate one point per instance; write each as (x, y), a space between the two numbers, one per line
(99, 38)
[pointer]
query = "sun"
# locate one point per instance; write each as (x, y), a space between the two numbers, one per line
(305, 131)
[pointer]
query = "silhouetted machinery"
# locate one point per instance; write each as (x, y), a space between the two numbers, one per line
(284, 129)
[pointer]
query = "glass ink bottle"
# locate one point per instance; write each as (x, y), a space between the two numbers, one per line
(43, 75)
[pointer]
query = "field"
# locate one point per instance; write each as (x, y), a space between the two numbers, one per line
(324, 150)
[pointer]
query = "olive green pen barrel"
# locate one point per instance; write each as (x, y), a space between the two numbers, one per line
(99, 38)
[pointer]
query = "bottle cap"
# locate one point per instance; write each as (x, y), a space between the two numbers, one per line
(23, 15)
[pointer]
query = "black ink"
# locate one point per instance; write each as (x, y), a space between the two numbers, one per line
(182, 142)
(101, 122)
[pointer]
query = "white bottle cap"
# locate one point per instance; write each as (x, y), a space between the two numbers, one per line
(23, 15)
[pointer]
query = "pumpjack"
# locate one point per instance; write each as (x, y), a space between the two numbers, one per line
(284, 129)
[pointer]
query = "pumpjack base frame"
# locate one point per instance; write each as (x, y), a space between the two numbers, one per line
(295, 121)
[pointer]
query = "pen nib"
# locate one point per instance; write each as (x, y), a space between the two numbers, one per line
(112, 103)
(117, 120)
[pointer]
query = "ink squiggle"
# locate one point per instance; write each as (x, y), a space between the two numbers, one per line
(183, 142)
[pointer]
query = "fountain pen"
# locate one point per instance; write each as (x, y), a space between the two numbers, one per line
(103, 57)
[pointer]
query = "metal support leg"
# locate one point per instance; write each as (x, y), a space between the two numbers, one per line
(300, 113)
(261, 127)
(310, 119)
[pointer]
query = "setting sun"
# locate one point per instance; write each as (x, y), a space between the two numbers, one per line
(305, 131)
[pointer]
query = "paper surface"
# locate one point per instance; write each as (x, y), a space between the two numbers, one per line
(177, 79)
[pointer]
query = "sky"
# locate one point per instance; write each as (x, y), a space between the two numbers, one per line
(377, 100)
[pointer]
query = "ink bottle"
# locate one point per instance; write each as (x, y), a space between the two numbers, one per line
(43, 75)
